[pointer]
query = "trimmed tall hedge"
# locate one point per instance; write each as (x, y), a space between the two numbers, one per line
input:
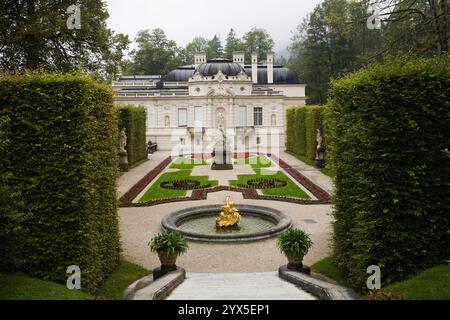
(133, 119)
(388, 133)
(61, 169)
(302, 123)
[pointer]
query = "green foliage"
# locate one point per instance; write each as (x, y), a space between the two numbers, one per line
(430, 284)
(24, 287)
(332, 41)
(328, 268)
(259, 41)
(187, 164)
(198, 44)
(214, 49)
(387, 129)
(170, 242)
(264, 169)
(156, 192)
(302, 123)
(133, 119)
(155, 54)
(34, 34)
(61, 167)
(118, 281)
(233, 43)
(294, 241)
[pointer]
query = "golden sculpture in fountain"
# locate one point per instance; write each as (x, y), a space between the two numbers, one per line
(229, 217)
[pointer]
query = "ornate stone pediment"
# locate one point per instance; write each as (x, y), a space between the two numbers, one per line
(221, 90)
(197, 76)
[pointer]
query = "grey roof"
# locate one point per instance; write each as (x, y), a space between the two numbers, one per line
(212, 67)
(181, 74)
(281, 75)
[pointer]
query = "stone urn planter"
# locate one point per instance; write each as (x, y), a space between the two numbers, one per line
(168, 261)
(295, 262)
(168, 245)
(294, 243)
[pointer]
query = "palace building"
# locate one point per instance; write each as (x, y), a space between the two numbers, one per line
(187, 106)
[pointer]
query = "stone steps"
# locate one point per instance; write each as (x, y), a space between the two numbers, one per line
(237, 286)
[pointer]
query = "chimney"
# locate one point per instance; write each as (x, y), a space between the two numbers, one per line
(239, 57)
(270, 58)
(255, 67)
(199, 58)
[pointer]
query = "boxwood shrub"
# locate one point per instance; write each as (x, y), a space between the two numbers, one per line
(388, 135)
(302, 123)
(133, 119)
(61, 169)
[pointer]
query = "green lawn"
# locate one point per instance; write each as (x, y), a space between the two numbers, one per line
(187, 164)
(116, 283)
(24, 287)
(430, 284)
(255, 162)
(156, 192)
(264, 168)
(328, 268)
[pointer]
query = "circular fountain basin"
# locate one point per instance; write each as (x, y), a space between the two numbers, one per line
(199, 223)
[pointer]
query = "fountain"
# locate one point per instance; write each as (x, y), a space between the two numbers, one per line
(227, 223)
(229, 217)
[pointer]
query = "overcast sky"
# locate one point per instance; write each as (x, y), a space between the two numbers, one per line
(182, 20)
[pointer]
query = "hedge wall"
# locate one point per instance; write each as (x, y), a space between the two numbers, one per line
(388, 135)
(133, 119)
(302, 123)
(61, 166)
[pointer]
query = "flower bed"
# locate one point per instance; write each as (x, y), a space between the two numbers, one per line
(129, 196)
(184, 184)
(234, 155)
(202, 193)
(318, 192)
(262, 183)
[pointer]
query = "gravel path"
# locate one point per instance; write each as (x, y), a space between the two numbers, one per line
(137, 225)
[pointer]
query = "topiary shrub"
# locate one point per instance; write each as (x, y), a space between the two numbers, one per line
(388, 129)
(61, 170)
(133, 119)
(302, 123)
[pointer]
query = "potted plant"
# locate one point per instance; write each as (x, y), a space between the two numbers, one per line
(168, 245)
(294, 243)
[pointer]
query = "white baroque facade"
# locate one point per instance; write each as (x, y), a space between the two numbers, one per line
(187, 107)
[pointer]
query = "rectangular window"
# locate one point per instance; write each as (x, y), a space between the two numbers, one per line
(242, 116)
(257, 116)
(182, 117)
(198, 117)
(258, 140)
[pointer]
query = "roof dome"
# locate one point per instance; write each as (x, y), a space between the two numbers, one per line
(212, 67)
(180, 74)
